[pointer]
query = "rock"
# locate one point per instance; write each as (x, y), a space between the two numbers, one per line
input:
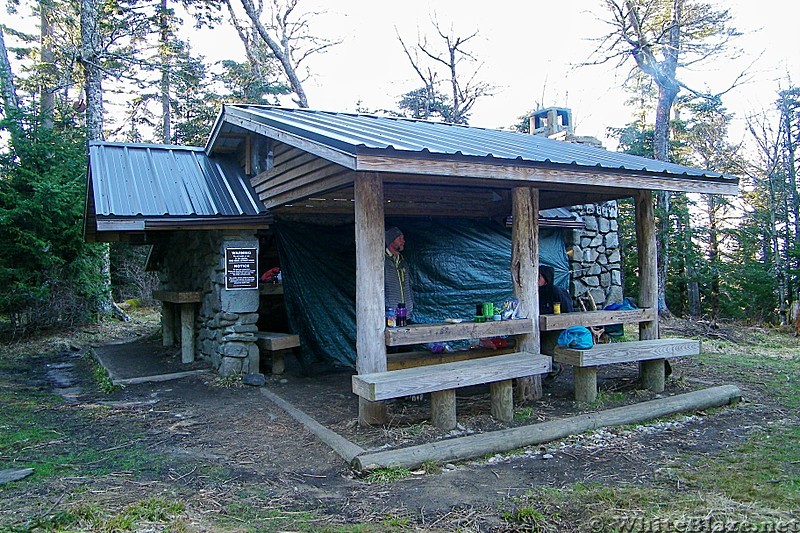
(547, 456)
(256, 380)
(14, 474)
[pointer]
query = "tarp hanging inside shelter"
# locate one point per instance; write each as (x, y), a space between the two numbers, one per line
(454, 264)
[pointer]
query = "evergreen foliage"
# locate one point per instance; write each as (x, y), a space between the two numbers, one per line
(48, 275)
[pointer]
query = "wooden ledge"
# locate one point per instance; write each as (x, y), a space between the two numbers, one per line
(441, 332)
(178, 297)
(594, 318)
(272, 341)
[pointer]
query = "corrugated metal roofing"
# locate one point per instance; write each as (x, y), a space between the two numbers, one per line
(163, 180)
(354, 134)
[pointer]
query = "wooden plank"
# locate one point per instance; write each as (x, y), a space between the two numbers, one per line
(272, 341)
(540, 175)
(283, 166)
(178, 297)
(441, 332)
(310, 189)
(420, 380)
(594, 318)
(626, 352)
(648, 262)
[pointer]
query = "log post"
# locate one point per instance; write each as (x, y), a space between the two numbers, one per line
(168, 323)
(525, 278)
(585, 378)
(443, 409)
(650, 372)
(187, 332)
(502, 395)
(370, 310)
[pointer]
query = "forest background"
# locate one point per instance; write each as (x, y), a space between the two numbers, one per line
(132, 71)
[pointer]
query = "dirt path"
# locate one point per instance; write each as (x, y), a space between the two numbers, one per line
(224, 446)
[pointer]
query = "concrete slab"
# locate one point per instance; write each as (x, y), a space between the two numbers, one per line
(142, 360)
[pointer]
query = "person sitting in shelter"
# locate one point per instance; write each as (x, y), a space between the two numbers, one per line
(396, 283)
(550, 293)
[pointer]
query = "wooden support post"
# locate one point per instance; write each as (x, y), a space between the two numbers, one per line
(443, 409)
(585, 379)
(168, 323)
(648, 262)
(525, 277)
(502, 395)
(187, 333)
(652, 374)
(370, 310)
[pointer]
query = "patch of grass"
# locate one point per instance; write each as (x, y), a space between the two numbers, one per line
(150, 514)
(101, 377)
(227, 382)
(523, 413)
(387, 475)
(765, 470)
(529, 516)
(392, 521)
(608, 397)
(431, 467)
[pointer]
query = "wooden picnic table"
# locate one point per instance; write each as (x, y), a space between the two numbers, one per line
(185, 302)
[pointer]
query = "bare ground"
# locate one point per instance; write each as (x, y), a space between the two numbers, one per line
(223, 449)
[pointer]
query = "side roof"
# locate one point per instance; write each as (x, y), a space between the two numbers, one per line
(148, 186)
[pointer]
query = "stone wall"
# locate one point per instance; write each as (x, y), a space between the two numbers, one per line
(226, 320)
(595, 260)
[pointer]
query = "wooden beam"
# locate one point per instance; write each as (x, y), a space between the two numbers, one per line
(545, 176)
(370, 310)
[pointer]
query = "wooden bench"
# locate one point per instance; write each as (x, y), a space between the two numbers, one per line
(651, 352)
(276, 345)
(442, 380)
(186, 301)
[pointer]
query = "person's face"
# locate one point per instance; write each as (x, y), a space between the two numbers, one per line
(542, 281)
(397, 244)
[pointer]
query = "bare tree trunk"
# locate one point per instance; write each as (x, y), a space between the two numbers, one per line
(713, 255)
(9, 92)
(282, 53)
(47, 59)
(166, 108)
(93, 79)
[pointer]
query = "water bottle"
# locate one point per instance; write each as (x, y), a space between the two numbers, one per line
(402, 315)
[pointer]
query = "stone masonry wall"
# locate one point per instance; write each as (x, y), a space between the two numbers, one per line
(595, 261)
(226, 320)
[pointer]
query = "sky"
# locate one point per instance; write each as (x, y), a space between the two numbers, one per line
(530, 50)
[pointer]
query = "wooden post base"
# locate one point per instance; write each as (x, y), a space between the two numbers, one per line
(278, 363)
(371, 413)
(585, 379)
(502, 395)
(168, 323)
(443, 409)
(652, 374)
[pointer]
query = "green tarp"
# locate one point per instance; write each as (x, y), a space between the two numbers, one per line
(454, 264)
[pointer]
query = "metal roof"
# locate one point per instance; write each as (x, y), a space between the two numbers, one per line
(354, 134)
(151, 180)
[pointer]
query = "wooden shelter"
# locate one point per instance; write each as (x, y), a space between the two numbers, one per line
(305, 163)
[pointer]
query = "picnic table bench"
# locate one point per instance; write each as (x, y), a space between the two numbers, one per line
(441, 379)
(276, 345)
(585, 362)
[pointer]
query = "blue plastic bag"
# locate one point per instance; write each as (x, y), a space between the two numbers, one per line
(577, 337)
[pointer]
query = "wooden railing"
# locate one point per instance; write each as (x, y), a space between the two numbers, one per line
(594, 318)
(443, 332)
